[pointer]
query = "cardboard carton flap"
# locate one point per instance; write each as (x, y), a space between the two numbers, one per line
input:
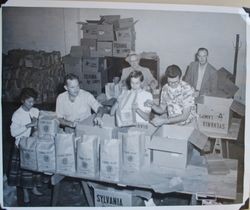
(238, 107)
(198, 139)
(167, 145)
(210, 100)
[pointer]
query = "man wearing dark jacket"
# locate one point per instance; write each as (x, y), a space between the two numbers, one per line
(201, 75)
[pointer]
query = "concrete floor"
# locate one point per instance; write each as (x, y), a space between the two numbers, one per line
(71, 193)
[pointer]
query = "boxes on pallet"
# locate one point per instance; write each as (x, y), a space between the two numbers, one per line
(105, 32)
(214, 114)
(172, 145)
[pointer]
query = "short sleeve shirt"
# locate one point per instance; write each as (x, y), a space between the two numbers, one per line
(176, 99)
(80, 109)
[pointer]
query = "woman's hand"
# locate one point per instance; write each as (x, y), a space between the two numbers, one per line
(159, 121)
(148, 103)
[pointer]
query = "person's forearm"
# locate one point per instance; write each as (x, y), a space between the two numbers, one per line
(100, 112)
(143, 114)
(67, 123)
(158, 109)
(179, 118)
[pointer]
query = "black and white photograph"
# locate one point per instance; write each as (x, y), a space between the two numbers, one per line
(124, 105)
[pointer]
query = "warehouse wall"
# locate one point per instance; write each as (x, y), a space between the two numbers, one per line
(175, 36)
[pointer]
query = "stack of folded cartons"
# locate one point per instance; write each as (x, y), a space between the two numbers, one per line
(40, 70)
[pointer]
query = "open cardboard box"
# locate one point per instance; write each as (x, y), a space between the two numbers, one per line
(172, 145)
(215, 113)
(107, 131)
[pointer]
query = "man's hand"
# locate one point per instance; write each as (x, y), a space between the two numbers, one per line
(34, 123)
(98, 121)
(158, 121)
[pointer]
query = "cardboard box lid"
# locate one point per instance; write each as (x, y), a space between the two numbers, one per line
(168, 145)
(108, 121)
(216, 101)
(238, 107)
(178, 133)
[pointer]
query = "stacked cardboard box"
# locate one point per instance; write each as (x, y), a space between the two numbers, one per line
(109, 36)
(36, 69)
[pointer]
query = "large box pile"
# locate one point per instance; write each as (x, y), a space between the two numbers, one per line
(172, 146)
(36, 69)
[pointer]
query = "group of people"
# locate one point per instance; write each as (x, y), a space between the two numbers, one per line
(177, 105)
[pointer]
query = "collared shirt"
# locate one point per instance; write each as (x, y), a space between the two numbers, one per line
(176, 99)
(78, 110)
(201, 72)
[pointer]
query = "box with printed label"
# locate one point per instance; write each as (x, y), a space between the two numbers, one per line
(105, 32)
(172, 145)
(122, 49)
(103, 49)
(90, 31)
(93, 64)
(214, 114)
(125, 34)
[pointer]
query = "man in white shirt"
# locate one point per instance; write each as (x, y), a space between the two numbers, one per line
(75, 104)
(201, 75)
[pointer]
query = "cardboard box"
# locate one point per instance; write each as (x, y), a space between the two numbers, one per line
(72, 65)
(125, 34)
(107, 131)
(90, 43)
(92, 86)
(105, 32)
(90, 31)
(214, 114)
(103, 49)
(106, 196)
(109, 19)
(124, 23)
(122, 49)
(172, 146)
(93, 64)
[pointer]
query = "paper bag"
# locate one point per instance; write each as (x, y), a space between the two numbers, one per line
(65, 153)
(48, 124)
(125, 115)
(28, 153)
(46, 159)
(88, 156)
(112, 90)
(133, 144)
(111, 160)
